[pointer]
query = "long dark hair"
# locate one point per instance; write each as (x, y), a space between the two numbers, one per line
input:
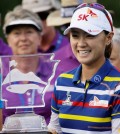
(108, 48)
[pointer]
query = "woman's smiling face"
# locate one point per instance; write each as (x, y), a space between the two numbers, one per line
(24, 40)
(87, 48)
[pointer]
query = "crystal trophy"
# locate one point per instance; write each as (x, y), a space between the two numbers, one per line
(24, 82)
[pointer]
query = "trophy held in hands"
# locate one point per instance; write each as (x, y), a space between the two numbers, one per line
(25, 80)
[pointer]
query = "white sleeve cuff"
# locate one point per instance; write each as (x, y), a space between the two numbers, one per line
(116, 126)
(54, 123)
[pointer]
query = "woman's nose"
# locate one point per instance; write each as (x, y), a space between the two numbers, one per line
(23, 36)
(81, 42)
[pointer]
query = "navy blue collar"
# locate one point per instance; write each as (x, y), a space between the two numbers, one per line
(99, 76)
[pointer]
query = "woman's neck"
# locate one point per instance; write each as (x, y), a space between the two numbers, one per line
(89, 71)
(26, 65)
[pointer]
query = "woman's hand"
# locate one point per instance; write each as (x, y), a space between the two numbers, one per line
(52, 131)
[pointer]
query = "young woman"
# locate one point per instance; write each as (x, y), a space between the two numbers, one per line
(87, 99)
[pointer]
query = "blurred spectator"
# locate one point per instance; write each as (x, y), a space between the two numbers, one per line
(52, 40)
(23, 31)
(115, 55)
(61, 18)
(112, 12)
(4, 48)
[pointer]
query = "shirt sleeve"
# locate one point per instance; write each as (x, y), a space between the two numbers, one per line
(54, 123)
(4, 48)
(116, 103)
(54, 102)
(116, 126)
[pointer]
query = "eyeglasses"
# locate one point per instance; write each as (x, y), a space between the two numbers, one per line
(98, 7)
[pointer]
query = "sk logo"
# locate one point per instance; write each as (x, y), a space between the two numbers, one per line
(85, 16)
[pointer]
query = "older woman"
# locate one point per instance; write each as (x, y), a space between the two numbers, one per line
(23, 30)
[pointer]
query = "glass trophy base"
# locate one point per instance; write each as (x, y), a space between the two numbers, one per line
(45, 132)
(25, 123)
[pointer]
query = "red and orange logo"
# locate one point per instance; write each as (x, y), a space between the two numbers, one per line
(85, 16)
(92, 14)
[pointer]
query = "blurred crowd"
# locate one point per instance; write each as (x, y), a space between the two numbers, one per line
(36, 26)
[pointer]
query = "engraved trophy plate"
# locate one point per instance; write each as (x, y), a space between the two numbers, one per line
(25, 80)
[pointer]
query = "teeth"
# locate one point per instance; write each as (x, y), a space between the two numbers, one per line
(83, 53)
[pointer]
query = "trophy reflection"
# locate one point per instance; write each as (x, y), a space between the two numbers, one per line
(25, 80)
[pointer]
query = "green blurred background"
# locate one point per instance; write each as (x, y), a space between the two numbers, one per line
(7, 5)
